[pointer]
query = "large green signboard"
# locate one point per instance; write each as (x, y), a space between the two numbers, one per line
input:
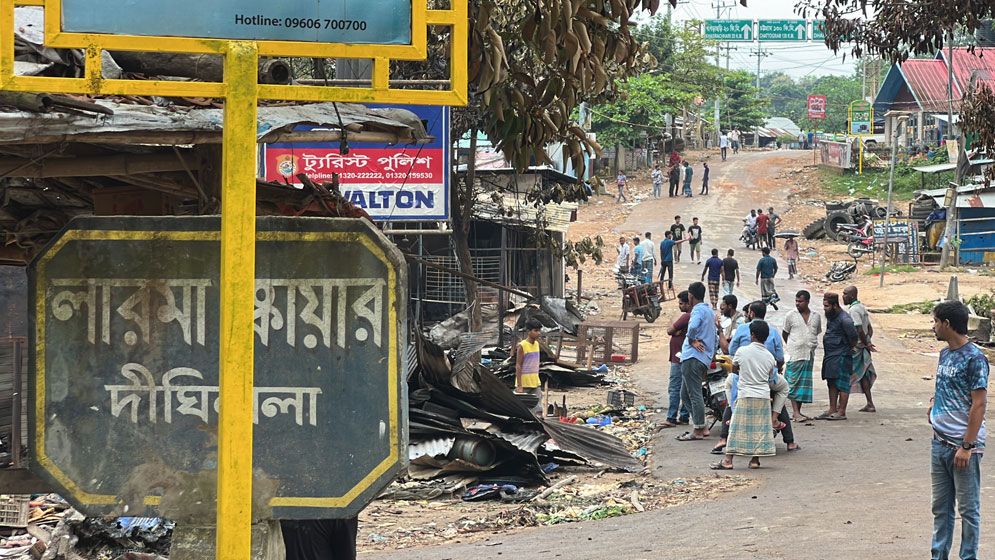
(125, 379)
(729, 29)
(782, 30)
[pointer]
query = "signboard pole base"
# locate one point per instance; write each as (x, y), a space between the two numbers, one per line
(238, 267)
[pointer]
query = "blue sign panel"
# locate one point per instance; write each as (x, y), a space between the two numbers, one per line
(391, 182)
(384, 22)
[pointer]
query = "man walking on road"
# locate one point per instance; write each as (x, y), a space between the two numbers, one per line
(730, 273)
(696, 356)
(677, 230)
(620, 183)
(801, 332)
(694, 240)
(704, 179)
(657, 177)
(724, 145)
(713, 267)
(957, 416)
(791, 255)
(773, 222)
(667, 257)
(674, 177)
(766, 270)
(763, 223)
(864, 374)
(688, 174)
(837, 364)
(677, 331)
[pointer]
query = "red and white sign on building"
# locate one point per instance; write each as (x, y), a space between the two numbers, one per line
(817, 106)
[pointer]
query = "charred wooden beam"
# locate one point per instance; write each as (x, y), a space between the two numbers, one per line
(206, 67)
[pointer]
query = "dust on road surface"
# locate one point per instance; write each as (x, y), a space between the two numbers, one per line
(858, 488)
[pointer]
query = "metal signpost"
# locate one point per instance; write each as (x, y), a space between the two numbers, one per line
(241, 32)
(860, 115)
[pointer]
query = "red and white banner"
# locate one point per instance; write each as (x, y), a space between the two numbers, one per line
(817, 106)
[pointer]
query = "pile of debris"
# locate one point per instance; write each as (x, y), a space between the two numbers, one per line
(46, 528)
(842, 213)
(464, 419)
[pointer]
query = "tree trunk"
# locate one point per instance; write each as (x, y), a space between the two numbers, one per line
(207, 67)
(462, 217)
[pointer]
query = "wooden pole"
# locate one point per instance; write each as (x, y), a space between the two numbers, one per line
(238, 266)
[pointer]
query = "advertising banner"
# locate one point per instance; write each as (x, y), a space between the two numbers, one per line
(836, 154)
(391, 182)
(817, 106)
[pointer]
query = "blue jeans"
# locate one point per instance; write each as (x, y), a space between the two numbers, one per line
(674, 391)
(728, 287)
(951, 484)
(693, 373)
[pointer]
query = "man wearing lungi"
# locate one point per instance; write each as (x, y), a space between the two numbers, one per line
(801, 332)
(750, 431)
(837, 365)
(864, 374)
(766, 270)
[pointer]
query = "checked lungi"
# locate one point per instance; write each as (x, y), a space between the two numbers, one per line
(838, 369)
(713, 293)
(863, 368)
(750, 431)
(799, 376)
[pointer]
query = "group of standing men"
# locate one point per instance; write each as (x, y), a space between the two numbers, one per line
(639, 259)
(680, 173)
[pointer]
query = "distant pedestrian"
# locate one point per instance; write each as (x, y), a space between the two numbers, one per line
(624, 253)
(688, 174)
(637, 257)
(724, 145)
(802, 327)
(791, 254)
(677, 411)
(864, 373)
(674, 177)
(657, 178)
(620, 182)
(704, 179)
(773, 222)
(649, 257)
(751, 432)
(730, 272)
(694, 240)
(677, 229)
(766, 271)
(667, 257)
(713, 268)
(837, 364)
(957, 416)
(763, 223)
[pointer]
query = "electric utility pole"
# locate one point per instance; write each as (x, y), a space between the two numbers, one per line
(720, 7)
(760, 54)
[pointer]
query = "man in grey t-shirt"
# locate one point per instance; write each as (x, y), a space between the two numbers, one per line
(863, 367)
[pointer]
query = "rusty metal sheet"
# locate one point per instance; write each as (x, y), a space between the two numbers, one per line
(125, 366)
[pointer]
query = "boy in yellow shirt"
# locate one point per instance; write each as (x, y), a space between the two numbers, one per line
(527, 359)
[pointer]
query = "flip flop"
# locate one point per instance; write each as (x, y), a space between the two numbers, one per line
(796, 448)
(720, 467)
(667, 424)
(835, 418)
(801, 419)
(687, 436)
(718, 450)
(824, 416)
(754, 465)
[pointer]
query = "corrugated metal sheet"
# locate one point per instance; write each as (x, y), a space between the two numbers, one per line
(439, 447)
(928, 81)
(980, 63)
(514, 211)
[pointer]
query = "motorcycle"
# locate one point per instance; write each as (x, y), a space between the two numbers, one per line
(840, 271)
(713, 388)
(639, 298)
(860, 240)
(749, 236)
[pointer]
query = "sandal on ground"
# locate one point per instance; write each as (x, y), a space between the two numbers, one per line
(868, 409)
(780, 426)
(795, 448)
(755, 463)
(688, 436)
(718, 450)
(835, 417)
(668, 424)
(824, 416)
(720, 466)
(801, 419)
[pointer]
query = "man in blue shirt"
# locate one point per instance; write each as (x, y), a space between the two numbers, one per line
(667, 257)
(957, 415)
(697, 354)
(637, 257)
(713, 267)
(766, 270)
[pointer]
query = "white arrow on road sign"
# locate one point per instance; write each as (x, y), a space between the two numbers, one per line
(801, 32)
(747, 32)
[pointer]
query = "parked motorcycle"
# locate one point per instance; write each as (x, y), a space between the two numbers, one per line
(639, 298)
(713, 388)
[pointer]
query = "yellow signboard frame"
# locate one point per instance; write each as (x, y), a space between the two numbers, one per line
(241, 92)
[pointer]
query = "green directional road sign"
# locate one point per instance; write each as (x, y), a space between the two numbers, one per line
(817, 32)
(729, 29)
(782, 30)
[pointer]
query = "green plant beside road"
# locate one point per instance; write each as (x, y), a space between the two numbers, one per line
(982, 303)
(874, 181)
(923, 307)
(892, 269)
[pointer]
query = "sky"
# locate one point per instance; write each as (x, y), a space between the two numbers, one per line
(795, 59)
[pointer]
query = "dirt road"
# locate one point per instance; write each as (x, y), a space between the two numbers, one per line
(857, 489)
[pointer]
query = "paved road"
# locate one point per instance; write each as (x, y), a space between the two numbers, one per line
(858, 489)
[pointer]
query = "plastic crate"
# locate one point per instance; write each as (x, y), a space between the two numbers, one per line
(14, 510)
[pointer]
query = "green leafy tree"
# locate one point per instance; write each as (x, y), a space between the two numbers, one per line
(743, 109)
(640, 110)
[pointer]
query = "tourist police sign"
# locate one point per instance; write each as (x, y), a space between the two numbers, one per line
(126, 319)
